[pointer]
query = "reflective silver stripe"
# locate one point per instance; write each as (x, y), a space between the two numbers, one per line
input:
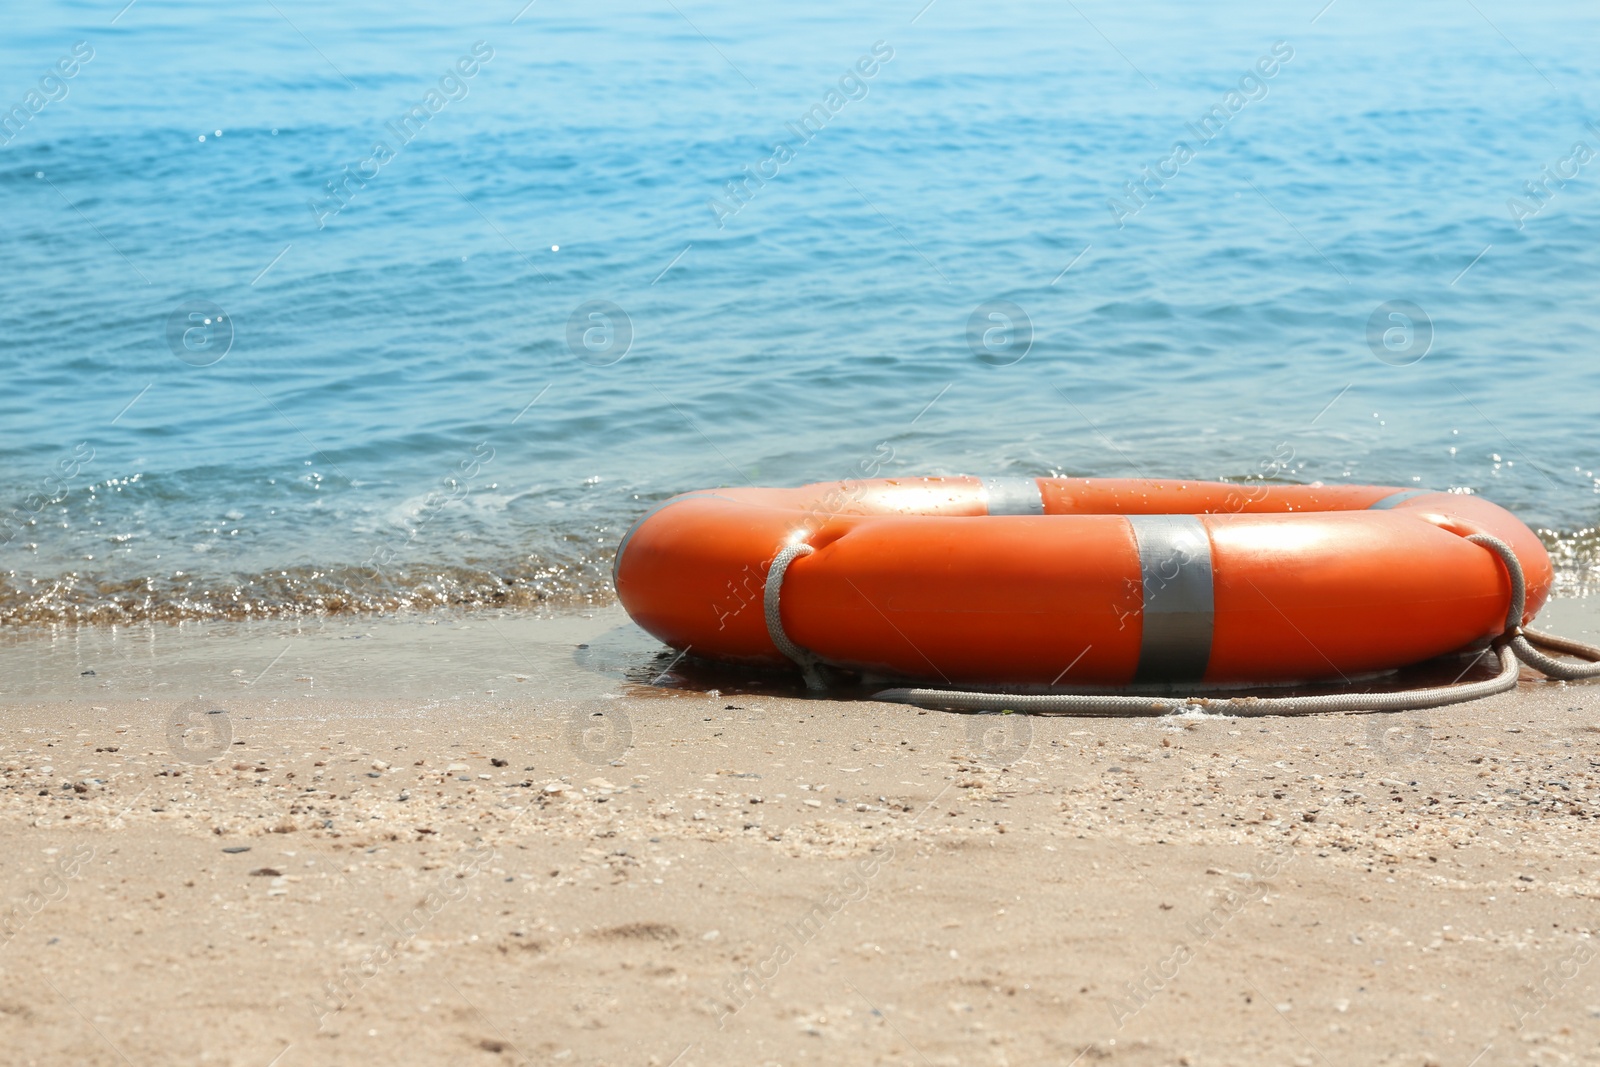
(1179, 604)
(1013, 496)
(1398, 498)
(622, 545)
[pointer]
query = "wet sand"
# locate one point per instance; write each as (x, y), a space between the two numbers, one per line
(579, 868)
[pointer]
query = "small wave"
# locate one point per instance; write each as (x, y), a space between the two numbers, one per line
(78, 598)
(1576, 558)
(531, 583)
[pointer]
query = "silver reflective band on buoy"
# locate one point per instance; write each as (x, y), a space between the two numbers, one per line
(1179, 607)
(1394, 499)
(1013, 496)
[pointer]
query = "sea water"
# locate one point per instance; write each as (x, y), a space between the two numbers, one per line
(317, 308)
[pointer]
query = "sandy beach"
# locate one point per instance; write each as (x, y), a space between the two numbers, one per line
(590, 870)
(367, 364)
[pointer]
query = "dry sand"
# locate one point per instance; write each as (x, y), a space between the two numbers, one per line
(688, 878)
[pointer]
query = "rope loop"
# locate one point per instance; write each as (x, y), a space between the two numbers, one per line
(810, 665)
(1527, 643)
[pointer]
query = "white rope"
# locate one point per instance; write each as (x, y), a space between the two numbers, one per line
(1095, 704)
(1524, 642)
(810, 665)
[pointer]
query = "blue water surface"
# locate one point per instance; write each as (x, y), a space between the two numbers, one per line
(1354, 242)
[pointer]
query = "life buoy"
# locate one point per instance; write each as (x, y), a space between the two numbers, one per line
(1065, 581)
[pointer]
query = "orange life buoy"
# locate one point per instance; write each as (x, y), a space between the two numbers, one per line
(1067, 581)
